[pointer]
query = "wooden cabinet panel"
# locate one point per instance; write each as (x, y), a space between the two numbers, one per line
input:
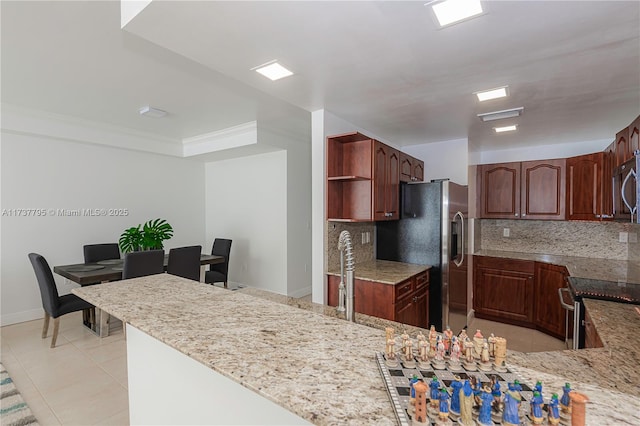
(500, 190)
(623, 147)
(591, 337)
(386, 182)
(411, 169)
(584, 187)
(503, 290)
(548, 314)
(406, 302)
(608, 191)
(634, 136)
(543, 189)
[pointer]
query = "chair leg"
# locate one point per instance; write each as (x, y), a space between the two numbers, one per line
(45, 326)
(56, 326)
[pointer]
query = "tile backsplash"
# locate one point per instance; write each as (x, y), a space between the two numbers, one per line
(570, 238)
(362, 252)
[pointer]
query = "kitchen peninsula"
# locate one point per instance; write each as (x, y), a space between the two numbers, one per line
(320, 368)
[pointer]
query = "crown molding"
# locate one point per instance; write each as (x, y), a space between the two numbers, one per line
(232, 137)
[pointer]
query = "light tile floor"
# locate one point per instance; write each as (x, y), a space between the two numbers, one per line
(83, 380)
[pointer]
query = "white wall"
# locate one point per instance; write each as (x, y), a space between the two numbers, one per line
(51, 173)
(448, 159)
(246, 201)
(541, 152)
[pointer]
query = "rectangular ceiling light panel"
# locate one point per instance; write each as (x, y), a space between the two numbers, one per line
(505, 128)
(499, 115)
(451, 11)
(274, 71)
(486, 95)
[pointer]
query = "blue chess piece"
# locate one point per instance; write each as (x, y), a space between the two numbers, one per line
(456, 385)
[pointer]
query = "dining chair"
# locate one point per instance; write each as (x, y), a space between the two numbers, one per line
(53, 304)
(142, 263)
(218, 272)
(96, 252)
(185, 262)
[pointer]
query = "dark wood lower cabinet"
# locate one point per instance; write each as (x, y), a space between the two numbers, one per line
(591, 337)
(503, 290)
(549, 316)
(520, 292)
(406, 302)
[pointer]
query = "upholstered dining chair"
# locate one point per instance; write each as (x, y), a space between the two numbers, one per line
(96, 252)
(142, 263)
(218, 272)
(185, 262)
(54, 305)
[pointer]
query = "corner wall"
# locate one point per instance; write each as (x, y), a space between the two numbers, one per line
(40, 172)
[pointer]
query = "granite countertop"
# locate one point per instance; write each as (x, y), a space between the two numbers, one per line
(384, 271)
(325, 369)
(608, 376)
(578, 267)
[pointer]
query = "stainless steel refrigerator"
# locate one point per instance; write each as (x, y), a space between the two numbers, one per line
(432, 230)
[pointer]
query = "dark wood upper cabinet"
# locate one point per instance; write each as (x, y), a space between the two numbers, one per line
(634, 136)
(527, 190)
(386, 182)
(585, 187)
(543, 189)
(500, 190)
(623, 147)
(608, 190)
(411, 169)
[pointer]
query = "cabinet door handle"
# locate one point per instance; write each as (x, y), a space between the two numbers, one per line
(516, 215)
(523, 214)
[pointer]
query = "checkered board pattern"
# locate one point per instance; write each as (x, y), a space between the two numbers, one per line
(397, 382)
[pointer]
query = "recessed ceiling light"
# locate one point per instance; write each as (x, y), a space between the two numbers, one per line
(499, 115)
(152, 112)
(452, 11)
(273, 71)
(498, 92)
(505, 128)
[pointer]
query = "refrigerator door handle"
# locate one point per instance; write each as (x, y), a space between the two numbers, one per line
(624, 198)
(459, 263)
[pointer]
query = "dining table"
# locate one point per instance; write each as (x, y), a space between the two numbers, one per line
(106, 271)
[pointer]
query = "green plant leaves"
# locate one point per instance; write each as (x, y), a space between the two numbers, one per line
(146, 237)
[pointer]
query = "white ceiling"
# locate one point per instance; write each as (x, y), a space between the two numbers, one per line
(384, 66)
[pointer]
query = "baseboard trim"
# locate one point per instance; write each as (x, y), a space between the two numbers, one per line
(300, 293)
(24, 316)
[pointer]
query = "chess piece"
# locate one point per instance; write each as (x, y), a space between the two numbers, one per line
(424, 354)
(565, 401)
(484, 416)
(536, 408)
(433, 341)
(438, 361)
(512, 398)
(554, 410)
(412, 392)
(420, 404)
(420, 337)
(408, 355)
(496, 414)
(492, 345)
(391, 354)
(500, 353)
(466, 405)
(456, 385)
(448, 335)
(435, 388)
(485, 363)
(443, 407)
(462, 336)
(389, 333)
(478, 340)
(404, 336)
(469, 362)
(454, 358)
(578, 408)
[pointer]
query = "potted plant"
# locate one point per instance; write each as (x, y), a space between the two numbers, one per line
(145, 237)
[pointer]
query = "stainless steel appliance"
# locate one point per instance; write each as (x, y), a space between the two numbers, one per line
(432, 230)
(626, 188)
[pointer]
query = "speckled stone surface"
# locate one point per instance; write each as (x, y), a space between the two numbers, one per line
(609, 377)
(579, 267)
(362, 252)
(384, 271)
(559, 237)
(301, 356)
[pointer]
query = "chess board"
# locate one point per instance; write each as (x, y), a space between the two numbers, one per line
(397, 382)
